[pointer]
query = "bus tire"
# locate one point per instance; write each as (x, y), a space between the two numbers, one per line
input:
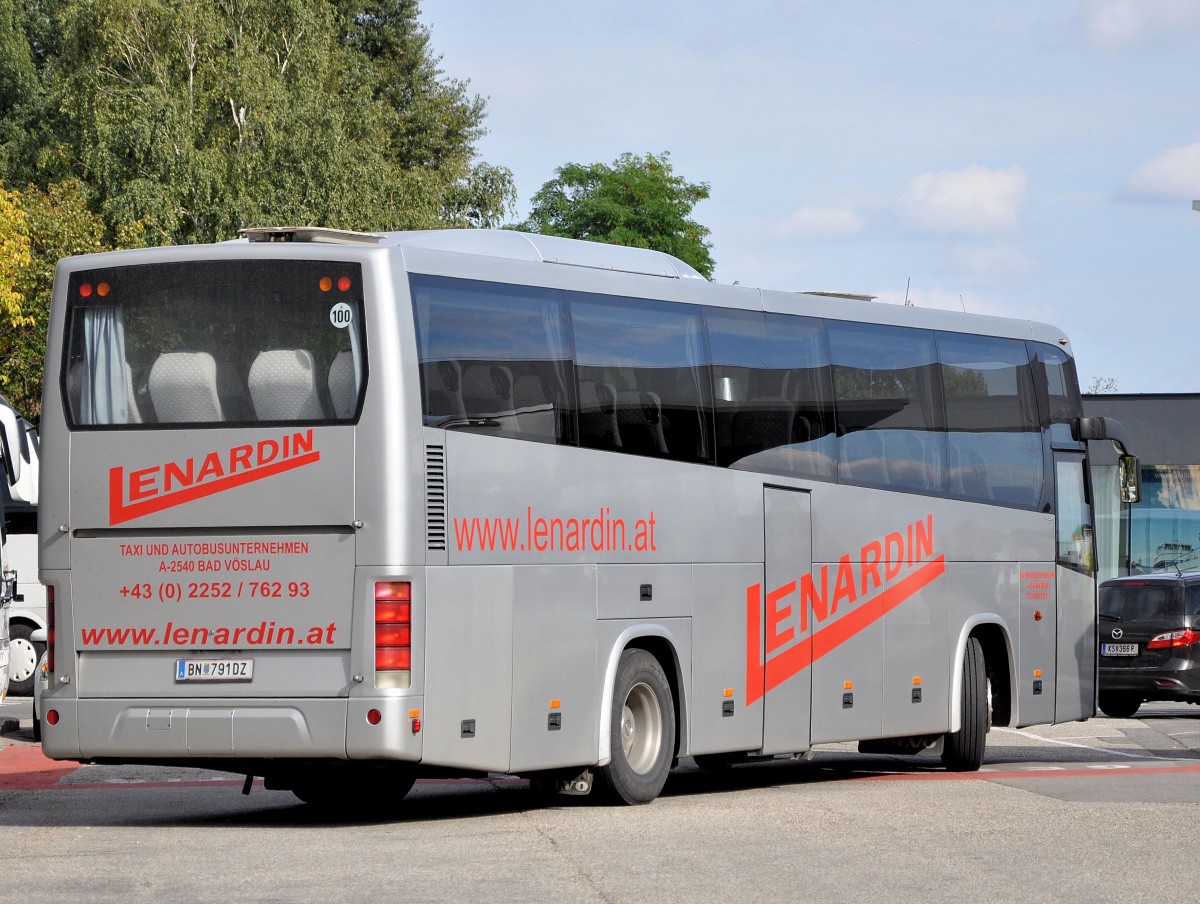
(642, 730)
(963, 749)
(1119, 705)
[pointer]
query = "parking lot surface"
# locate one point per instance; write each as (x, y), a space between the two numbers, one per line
(1102, 810)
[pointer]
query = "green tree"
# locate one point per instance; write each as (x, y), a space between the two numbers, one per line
(15, 256)
(59, 224)
(638, 201)
(134, 122)
(190, 119)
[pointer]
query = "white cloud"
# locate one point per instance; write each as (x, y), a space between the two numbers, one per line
(819, 223)
(1121, 24)
(1173, 174)
(971, 201)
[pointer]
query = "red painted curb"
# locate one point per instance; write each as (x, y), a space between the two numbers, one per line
(28, 769)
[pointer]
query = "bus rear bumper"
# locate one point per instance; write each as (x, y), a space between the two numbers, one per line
(207, 729)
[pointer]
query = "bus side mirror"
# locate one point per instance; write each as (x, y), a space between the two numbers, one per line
(10, 440)
(1130, 475)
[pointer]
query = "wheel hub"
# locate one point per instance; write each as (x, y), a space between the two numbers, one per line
(641, 728)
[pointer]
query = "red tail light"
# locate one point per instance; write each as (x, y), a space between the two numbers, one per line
(1184, 637)
(393, 626)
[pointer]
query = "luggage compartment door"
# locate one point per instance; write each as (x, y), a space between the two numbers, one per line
(786, 637)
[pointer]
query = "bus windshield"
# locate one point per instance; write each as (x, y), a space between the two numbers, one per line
(214, 342)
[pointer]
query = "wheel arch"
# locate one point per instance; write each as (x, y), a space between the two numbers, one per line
(661, 643)
(999, 659)
(24, 617)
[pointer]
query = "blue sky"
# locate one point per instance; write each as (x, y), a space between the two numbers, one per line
(1029, 159)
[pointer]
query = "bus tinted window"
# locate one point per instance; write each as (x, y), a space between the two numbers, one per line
(495, 358)
(643, 377)
(772, 392)
(214, 342)
(1076, 546)
(889, 406)
(995, 444)
(1062, 386)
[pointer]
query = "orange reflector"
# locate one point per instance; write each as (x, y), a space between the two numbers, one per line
(555, 704)
(414, 714)
(849, 685)
(916, 681)
(325, 284)
(102, 289)
(1037, 673)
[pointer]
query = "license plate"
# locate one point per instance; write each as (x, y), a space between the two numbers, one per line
(214, 669)
(1118, 649)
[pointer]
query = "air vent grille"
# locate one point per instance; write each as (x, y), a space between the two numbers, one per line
(435, 497)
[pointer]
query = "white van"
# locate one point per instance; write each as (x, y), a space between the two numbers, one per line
(27, 611)
(14, 448)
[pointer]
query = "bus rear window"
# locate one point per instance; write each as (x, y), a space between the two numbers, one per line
(215, 342)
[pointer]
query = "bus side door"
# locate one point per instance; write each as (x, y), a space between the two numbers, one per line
(1076, 579)
(787, 648)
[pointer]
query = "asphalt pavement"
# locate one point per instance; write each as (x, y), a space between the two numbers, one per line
(1081, 812)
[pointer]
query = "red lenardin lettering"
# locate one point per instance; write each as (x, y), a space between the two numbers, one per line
(860, 594)
(160, 487)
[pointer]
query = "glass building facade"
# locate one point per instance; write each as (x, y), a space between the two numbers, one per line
(1162, 532)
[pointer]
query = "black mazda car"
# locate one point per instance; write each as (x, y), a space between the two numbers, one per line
(1149, 641)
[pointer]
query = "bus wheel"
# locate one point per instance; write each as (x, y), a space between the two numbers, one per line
(643, 730)
(963, 750)
(362, 791)
(1118, 705)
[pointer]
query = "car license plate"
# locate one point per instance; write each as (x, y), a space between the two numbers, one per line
(1118, 649)
(214, 669)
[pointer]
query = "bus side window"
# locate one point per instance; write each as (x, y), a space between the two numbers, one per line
(995, 444)
(886, 383)
(1059, 383)
(651, 354)
(772, 392)
(495, 358)
(442, 381)
(598, 428)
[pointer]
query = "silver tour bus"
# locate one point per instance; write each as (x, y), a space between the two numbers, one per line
(340, 510)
